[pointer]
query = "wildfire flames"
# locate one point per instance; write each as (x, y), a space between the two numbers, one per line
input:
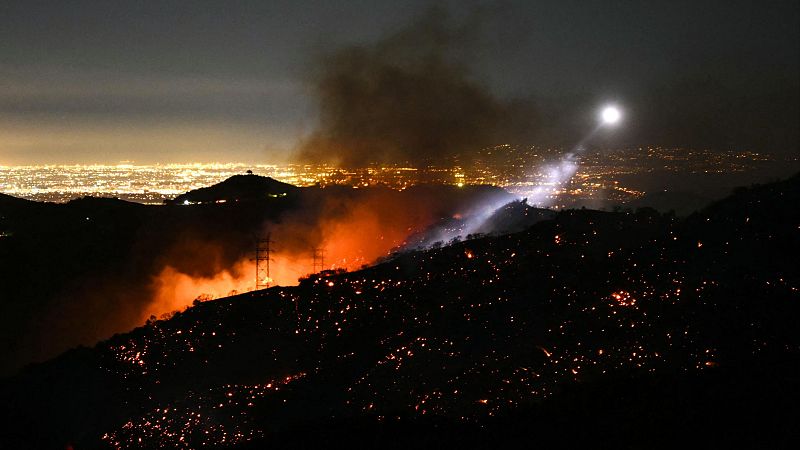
(351, 234)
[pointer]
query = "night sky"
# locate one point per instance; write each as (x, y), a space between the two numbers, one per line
(168, 81)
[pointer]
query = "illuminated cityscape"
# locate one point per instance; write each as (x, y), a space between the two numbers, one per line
(603, 174)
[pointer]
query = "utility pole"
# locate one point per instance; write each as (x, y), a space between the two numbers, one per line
(262, 260)
(319, 260)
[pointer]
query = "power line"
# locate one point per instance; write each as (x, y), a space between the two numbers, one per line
(262, 260)
(319, 260)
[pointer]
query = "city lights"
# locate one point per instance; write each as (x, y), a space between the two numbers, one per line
(533, 172)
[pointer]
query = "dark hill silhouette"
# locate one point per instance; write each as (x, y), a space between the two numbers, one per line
(488, 219)
(11, 206)
(10, 200)
(514, 217)
(682, 203)
(238, 188)
(772, 201)
(611, 329)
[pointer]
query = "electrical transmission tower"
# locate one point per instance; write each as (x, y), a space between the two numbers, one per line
(262, 260)
(319, 260)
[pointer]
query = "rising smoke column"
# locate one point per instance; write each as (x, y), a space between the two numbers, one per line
(408, 98)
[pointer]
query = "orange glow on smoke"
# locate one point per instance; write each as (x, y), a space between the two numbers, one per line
(174, 291)
(352, 233)
(362, 236)
(349, 242)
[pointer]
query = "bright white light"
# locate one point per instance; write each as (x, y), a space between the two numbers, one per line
(610, 115)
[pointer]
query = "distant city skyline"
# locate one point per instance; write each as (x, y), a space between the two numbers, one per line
(600, 179)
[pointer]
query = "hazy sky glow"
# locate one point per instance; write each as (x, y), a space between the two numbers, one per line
(104, 81)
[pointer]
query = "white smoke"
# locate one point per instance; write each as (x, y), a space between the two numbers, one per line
(556, 177)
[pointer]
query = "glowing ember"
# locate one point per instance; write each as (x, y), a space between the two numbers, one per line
(623, 298)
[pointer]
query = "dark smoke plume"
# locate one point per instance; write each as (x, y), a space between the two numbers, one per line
(409, 98)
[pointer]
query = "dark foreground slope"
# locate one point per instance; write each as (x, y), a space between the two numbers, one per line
(611, 330)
